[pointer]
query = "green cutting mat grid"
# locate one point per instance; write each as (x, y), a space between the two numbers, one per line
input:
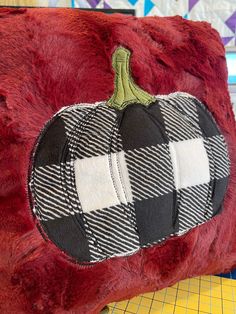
(201, 295)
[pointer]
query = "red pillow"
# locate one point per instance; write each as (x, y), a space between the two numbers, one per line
(52, 58)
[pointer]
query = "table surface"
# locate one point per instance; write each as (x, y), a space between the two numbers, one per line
(203, 295)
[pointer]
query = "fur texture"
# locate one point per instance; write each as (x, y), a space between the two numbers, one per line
(50, 58)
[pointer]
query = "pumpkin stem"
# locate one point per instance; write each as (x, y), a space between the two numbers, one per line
(126, 91)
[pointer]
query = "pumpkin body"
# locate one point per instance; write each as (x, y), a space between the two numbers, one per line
(106, 182)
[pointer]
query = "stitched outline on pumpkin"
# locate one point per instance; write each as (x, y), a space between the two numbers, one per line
(125, 211)
(192, 126)
(131, 212)
(209, 191)
(122, 205)
(114, 127)
(42, 225)
(157, 123)
(87, 225)
(77, 223)
(44, 130)
(88, 231)
(210, 150)
(211, 188)
(66, 146)
(204, 107)
(97, 242)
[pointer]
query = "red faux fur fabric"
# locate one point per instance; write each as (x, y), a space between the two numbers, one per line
(50, 58)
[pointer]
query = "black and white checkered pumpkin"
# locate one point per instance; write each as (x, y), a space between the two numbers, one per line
(106, 182)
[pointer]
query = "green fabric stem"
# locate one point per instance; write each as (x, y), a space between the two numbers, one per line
(126, 91)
